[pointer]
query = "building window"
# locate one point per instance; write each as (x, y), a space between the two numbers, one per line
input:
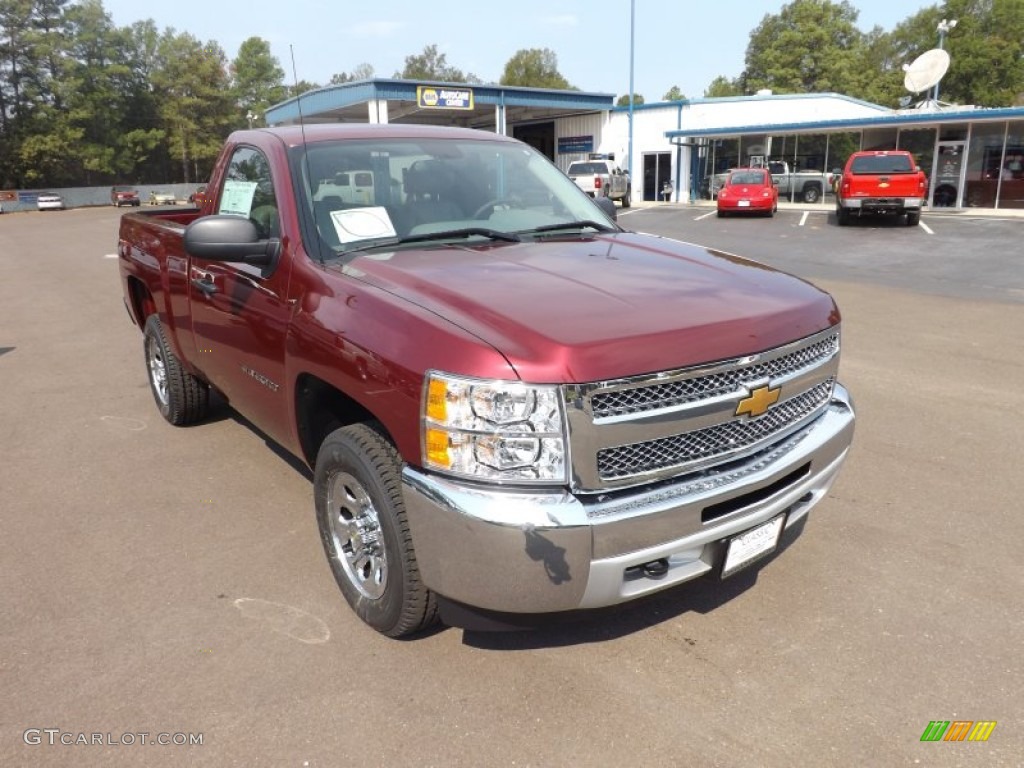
(984, 163)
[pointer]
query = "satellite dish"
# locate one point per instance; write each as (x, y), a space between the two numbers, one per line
(926, 70)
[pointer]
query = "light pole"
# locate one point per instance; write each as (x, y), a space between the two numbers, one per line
(632, 38)
(250, 117)
(943, 27)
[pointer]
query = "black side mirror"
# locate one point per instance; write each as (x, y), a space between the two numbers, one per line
(231, 239)
(608, 206)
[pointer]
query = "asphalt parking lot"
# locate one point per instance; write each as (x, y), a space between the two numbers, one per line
(171, 581)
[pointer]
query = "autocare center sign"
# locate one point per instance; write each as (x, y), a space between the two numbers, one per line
(436, 97)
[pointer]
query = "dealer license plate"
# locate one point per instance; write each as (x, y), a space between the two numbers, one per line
(752, 545)
(743, 203)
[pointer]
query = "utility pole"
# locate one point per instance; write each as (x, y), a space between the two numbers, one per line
(632, 47)
(943, 27)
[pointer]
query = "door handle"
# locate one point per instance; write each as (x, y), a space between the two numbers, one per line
(205, 284)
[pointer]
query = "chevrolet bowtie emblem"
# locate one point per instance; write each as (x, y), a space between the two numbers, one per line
(760, 400)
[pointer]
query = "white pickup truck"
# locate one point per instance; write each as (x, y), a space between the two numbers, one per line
(600, 177)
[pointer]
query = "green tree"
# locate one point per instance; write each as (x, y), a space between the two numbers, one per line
(810, 46)
(43, 124)
(301, 87)
(986, 50)
(142, 142)
(433, 65)
(196, 105)
(18, 68)
(878, 76)
(673, 94)
(623, 100)
(95, 90)
(722, 86)
(257, 80)
(534, 68)
(362, 72)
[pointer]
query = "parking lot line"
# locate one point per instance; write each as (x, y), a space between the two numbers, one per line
(803, 219)
(699, 218)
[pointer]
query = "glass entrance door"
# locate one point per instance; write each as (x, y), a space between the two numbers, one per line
(657, 173)
(947, 175)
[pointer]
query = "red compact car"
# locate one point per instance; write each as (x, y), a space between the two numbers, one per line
(748, 190)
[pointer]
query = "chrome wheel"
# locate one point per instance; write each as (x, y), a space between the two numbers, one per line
(157, 370)
(355, 535)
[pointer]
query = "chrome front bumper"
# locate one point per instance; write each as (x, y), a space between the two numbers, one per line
(547, 551)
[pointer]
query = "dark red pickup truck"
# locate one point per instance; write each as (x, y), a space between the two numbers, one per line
(511, 405)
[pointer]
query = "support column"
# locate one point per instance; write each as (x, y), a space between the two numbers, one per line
(377, 110)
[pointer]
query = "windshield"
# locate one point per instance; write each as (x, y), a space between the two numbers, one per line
(359, 192)
(582, 169)
(872, 164)
(747, 177)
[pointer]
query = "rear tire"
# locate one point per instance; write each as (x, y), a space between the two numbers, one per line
(180, 397)
(626, 200)
(363, 526)
(842, 216)
(913, 219)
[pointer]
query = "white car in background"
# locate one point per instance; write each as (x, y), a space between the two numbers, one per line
(162, 198)
(49, 201)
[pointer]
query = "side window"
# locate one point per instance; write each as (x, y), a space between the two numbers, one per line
(249, 191)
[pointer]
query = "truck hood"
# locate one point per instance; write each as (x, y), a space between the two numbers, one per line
(605, 307)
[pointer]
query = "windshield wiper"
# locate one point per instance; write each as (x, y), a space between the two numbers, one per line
(447, 234)
(569, 225)
(491, 234)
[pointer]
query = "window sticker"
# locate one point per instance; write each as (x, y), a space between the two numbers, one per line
(355, 224)
(237, 198)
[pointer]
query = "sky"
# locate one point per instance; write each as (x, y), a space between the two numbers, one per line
(677, 42)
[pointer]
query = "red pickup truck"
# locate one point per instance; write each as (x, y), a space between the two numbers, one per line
(511, 405)
(881, 182)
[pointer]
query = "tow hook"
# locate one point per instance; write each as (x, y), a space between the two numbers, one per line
(655, 569)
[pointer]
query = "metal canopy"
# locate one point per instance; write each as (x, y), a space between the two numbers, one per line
(908, 118)
(352, 102)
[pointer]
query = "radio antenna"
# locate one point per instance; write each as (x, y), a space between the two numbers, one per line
(305, 157)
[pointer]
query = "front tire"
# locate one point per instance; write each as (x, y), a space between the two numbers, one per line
(812, 194)
(365, 533)
(180, 397)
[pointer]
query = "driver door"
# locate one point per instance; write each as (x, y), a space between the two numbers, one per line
(240, 316)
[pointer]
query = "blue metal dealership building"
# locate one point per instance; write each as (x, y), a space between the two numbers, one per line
(974, 157)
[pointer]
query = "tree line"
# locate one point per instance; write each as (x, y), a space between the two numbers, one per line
(815, 46)
(84, 102)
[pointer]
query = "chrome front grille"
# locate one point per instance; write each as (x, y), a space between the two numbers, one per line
(666, 395)
(711, 442)
(663, 425)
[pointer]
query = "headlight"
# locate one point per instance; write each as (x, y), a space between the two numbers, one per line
(493, 430)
